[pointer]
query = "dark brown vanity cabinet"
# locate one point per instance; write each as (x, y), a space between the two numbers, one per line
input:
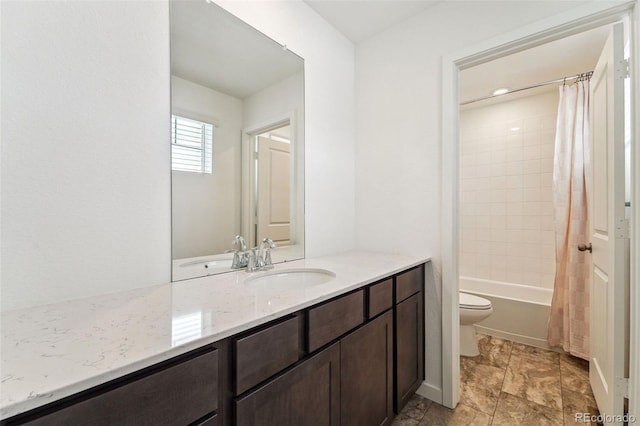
(352, 360)
(409, 335)
(349, 382)
(307, 394)
(182, 391)
(366, 364)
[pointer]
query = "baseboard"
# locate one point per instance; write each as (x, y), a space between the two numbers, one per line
(431, 392)
(527, 340)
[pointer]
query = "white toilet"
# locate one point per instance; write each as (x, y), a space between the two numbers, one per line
(473, 309)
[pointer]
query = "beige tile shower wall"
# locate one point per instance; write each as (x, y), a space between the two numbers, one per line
(506, 204)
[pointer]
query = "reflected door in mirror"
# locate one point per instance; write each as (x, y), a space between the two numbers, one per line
(273, 190)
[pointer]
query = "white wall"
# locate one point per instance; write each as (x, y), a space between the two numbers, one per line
(85, 153)
(85, 142)
(206, 207)
(274, 102)
(398, 116)
(506, 190)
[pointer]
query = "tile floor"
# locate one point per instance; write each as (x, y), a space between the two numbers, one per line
(511, 384)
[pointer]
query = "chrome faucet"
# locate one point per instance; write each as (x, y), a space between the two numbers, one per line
(252, 261)
(264, 256)
(259, 258)
(241, 256)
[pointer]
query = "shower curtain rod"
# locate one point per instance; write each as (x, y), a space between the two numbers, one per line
(546, 83)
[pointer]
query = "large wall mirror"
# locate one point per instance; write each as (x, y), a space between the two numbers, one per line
(237, 139)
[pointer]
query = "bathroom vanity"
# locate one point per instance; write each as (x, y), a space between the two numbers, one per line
(349, 351)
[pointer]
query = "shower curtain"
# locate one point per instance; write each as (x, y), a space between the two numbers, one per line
(569, 317)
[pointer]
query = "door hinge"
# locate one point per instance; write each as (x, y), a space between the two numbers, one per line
(622, 229)
(255, 155)
(623, 69)
(622, 387)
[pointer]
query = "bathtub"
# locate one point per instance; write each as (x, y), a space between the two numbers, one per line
(520, 312)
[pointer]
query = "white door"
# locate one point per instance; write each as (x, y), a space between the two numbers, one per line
(273, 190)
(608, 229)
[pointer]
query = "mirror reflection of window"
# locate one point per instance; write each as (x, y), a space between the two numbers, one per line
(191, 145)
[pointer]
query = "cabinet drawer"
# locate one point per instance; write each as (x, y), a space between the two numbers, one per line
(380, 297)
(335, 318)
(409, 283)
(177, 395)
(266, 352)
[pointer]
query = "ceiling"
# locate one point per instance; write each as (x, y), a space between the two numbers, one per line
(360, 19)
(213, 48)
(565, 57)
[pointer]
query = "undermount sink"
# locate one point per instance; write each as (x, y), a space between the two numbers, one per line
(215, 261)
(289, 279)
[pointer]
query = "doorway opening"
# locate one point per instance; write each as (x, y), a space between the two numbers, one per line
(581, 20)
(510, 145)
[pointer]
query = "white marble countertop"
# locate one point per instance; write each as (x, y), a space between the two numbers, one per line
(53, 351)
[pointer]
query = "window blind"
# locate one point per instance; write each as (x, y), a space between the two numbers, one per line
(191, 145)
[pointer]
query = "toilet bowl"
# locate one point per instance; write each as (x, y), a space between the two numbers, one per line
(473, 309)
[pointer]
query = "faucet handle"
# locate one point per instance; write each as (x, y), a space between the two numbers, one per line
(259, 259)
(237, 262)
(252, 260)
(268, 264)
(239, 241)
(270, 242)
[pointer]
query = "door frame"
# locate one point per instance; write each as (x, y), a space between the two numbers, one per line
(297, 173)
(576, 20)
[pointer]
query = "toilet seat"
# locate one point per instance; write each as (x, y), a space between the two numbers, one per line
(469, 301)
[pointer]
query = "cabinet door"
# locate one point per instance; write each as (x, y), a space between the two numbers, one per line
(366, 363)
(308, 394)
(409, 349)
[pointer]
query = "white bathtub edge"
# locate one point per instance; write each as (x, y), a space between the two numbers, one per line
(531, 341)
(534, 295)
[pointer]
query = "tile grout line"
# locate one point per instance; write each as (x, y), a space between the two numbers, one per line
(503, 379)
(424, 413)
(564, 422)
